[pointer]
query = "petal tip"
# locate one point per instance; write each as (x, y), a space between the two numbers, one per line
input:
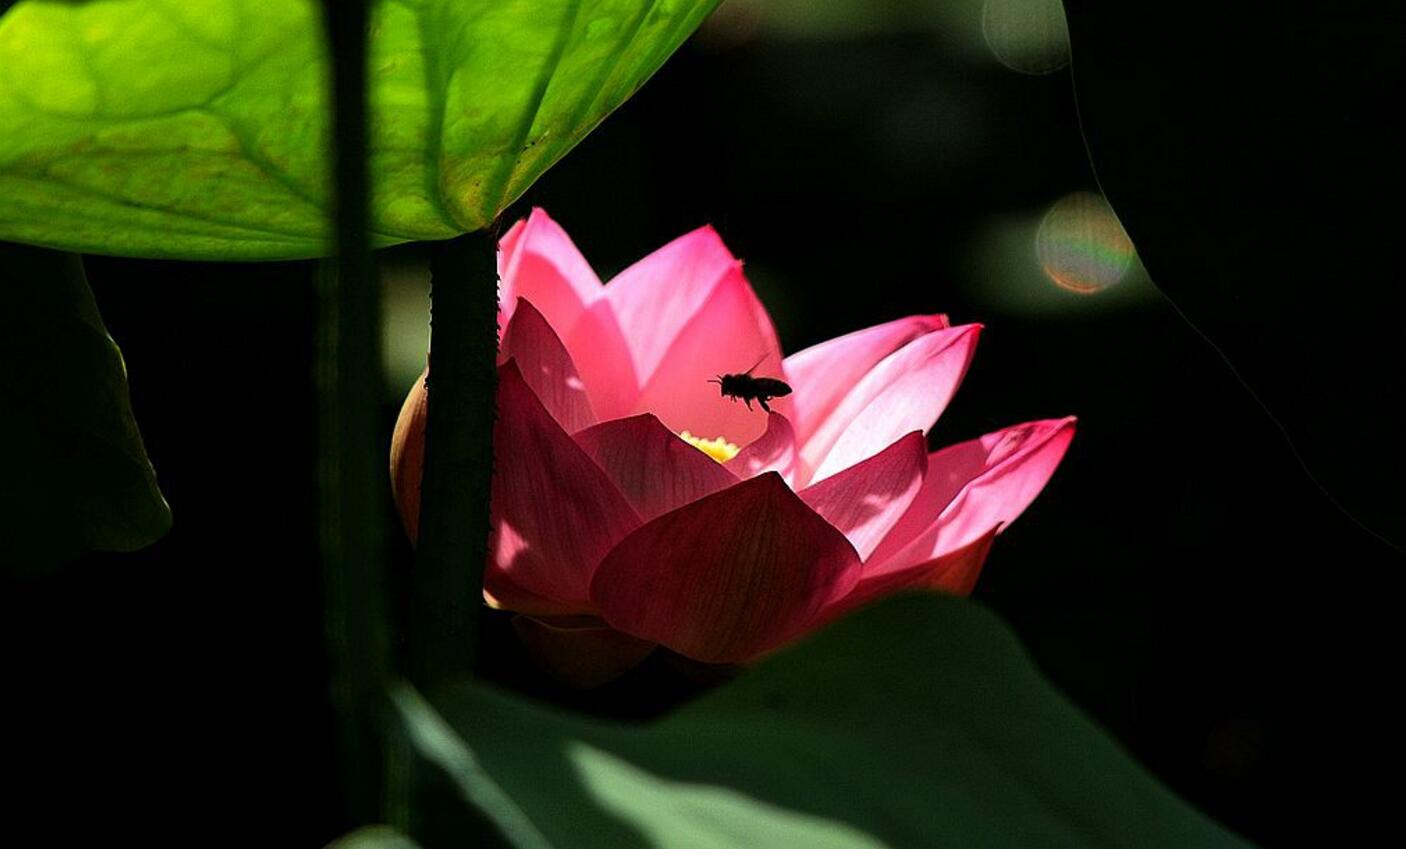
(772, 478)
(708, 233)
(1054, 426)
(931, 320)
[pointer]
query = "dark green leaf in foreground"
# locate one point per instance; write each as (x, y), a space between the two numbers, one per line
(75, 477)
(200, 129)
(919, 722)
(1253, 153)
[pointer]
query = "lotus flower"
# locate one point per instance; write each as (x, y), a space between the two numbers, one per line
(634, 506)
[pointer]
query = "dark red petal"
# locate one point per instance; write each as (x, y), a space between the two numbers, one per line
(555, 512)
(655, 469)
(547, 367)
(729, 576)
(954, 572)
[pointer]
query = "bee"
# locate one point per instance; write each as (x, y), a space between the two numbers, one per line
(747, 388)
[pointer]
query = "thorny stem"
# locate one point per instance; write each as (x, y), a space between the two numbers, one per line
(458, 465)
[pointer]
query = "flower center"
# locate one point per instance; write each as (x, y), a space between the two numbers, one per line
(719, 449)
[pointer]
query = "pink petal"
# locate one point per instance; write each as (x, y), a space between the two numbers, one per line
(546, 366)
(537, 261)
(555, 513)
(655, 298)
(906, 391)
(655, 469)
(948, 471)
(823, 373)
(973, 488)
(773, 451)
(601, 355)
(954, 572)
(727, 577)
(729, 333)
(579, 651)
(865, 500)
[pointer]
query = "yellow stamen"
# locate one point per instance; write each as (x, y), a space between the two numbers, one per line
(719, 449)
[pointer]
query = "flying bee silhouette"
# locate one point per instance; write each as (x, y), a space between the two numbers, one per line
(746, 388)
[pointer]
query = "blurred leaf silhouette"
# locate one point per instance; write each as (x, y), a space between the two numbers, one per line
(917, 722)
(77, 478)
(1245, 160)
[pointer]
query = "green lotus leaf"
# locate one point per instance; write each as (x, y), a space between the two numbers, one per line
(918, 722)
(200, 129)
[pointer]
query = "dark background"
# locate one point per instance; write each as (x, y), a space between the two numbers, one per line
(1182, 578)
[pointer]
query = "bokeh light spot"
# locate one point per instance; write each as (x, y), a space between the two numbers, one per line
(405, 321)
(1081, 246)
(1029, 36)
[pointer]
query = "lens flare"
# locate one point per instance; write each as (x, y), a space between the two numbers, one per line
(1081, 246)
